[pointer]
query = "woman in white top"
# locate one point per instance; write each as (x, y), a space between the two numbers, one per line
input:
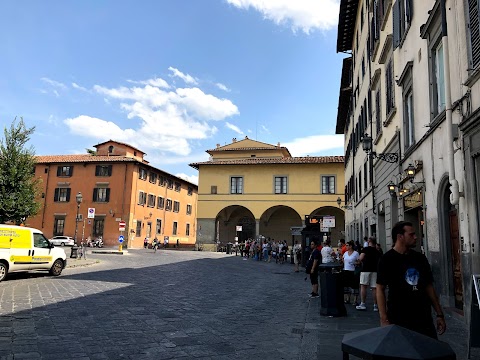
(328, 255)
(349, 260)
(297, 251)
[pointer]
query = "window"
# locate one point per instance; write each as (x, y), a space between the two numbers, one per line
(142, 174)
(103, 170)
(473, 33)
(402, 17)
(280, 184)
(168, 207)
(142, 198)
(170, 183)
(110, 149)
(160, 202)
(187, 230)
(438, 81)
(39, 241)
(178, 186)
(58, 226)
(175, 227)
(151, 200)
(365, 175)
(101, 194)
(62, 195)
(98, 224)
(378, 111)
(138, 230)
(190, 191)
(360, 183)
(408, 119)
(328, 184)
(162, 181)
(236, 185)
(390, 91)
(189, 209)
(158, 227)
(213, 189)
(152, 177)
(176, 206)
(65, 171)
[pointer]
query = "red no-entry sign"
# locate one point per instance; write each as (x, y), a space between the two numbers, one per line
(121, 225)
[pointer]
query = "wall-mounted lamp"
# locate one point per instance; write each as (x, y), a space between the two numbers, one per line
(367, 143)
(111, 212)
(339, 202)
(391, 188)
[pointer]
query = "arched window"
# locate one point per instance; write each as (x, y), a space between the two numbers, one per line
(110, 149)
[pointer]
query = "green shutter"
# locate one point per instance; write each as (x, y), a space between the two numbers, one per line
(68, 194)
(55, 197)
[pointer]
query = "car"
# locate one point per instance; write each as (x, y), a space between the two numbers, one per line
(62, 240)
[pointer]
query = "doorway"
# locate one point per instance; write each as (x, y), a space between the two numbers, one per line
(456, 258)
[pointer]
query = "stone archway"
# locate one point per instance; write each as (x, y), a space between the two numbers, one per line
(227, 221)
(276, 222)
(338, 232)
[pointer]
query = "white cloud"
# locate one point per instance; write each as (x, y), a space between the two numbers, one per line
(53, 83)
(169, 119)
(222, 87)
(314, 144)
(191, 178)
(265, 129)
(78, 87)
(306, 15)
(185, 77)
(234, 128)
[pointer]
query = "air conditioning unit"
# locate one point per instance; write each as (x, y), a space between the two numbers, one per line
(79, 217)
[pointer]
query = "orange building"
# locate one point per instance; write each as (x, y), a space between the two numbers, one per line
(120, 186)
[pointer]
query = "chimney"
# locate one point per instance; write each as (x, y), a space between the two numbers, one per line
(218, 145)
(278, 144)
(234, 140)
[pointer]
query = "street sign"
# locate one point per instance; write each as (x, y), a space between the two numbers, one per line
(329, 221)
(239, 227)
(120, 239)
(121, 226)
(91, 213)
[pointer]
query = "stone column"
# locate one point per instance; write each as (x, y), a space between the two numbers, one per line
(257, 228)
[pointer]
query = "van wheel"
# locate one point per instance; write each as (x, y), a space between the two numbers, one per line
(57, 268)
(3, 271)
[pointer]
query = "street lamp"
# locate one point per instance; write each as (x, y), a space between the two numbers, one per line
(79, 199)
(339, 202)
(367, 144)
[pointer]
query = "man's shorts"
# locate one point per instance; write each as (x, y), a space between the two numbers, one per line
(368, 278)
(314, 278)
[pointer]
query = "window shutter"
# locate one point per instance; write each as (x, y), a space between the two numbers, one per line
(57, 191)
(107, 195)
(68, 194)
(59, 170)
(95, 194)
(71, 171)
(474, 32)
(396, 24)
(109, 170)
(97, 170)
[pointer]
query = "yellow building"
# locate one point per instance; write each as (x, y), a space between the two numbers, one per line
(265, 191)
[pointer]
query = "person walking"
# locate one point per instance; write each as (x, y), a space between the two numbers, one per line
(328, 255)
(409, 278)
(145, 242)
(349, 259)
(368, 277)
(297, 252)
(312, 268)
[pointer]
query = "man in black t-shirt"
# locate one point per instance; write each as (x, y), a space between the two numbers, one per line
(368, 277)
(409, 279)
(312, 267)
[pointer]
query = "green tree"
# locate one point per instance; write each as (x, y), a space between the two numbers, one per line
(91, 152)
(18, 186)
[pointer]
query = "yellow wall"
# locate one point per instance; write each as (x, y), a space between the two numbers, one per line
(303, 191)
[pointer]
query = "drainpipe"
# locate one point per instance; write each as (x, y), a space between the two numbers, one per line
(455, 193)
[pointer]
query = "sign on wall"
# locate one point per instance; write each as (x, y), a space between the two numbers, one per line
(328, 222)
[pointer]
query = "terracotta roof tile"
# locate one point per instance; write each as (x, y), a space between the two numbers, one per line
(248, 149)
(264, 161)
(44, 159)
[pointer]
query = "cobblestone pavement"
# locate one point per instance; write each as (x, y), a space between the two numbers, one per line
(169, 305)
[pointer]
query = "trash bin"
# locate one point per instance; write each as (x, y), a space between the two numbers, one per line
(74, 252)
(229, 248)
(331, 290)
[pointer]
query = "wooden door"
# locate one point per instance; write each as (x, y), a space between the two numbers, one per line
(456, 259)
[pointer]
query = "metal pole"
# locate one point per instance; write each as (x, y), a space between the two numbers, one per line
(76, 224)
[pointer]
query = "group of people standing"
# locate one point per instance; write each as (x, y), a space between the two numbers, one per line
(265, 250)
(404, 272)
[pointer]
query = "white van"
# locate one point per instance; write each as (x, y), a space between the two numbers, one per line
(24, 249)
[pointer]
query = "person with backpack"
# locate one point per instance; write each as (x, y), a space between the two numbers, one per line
(312, 268)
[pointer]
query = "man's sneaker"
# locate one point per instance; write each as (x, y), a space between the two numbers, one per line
(375, 307)
(361, 307)
(314, 295)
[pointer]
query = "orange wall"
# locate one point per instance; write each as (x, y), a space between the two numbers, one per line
(124, 185)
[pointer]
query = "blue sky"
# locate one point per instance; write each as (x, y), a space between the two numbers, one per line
(172, 77)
